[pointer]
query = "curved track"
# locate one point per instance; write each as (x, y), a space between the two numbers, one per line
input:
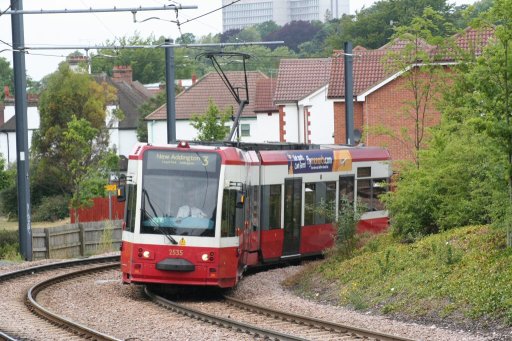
(19, 303)
(270, 324)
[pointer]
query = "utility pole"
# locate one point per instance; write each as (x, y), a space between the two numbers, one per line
(349, 93)
(20, 106)
(170, 91)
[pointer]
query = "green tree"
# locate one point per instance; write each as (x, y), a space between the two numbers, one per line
(211, 126)
(145, 109)
(66, 95)
(267, 27)
(6, 77)
(458, 184)
(86, 167)
(485, 96)
(422, 75)
(372, 27)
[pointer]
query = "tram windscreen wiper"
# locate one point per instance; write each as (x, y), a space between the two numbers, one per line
(155, 223)
(157, 227)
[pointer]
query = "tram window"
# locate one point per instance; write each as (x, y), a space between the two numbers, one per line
(379, 186)
(131, 207)
(347, 188)
(330, 197)
(309, 203)
(316, 195)
(228, 213)
(270, 207)
(368, 192)
(364, 172)
(364, 193)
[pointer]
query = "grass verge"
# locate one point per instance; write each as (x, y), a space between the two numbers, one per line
(463, 275)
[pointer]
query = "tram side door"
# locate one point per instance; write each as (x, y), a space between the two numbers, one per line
(292, 216)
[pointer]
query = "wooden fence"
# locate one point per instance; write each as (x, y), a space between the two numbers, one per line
(75, 240)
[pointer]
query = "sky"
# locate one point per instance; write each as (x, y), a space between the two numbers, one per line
(57, 30)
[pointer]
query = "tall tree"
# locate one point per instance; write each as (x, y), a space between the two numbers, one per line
(66, 95)
(372, 27)
(421, 47)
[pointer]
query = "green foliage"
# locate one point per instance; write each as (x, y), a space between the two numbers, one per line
(51, 209)
(423, 83)
(211, 126)
(9, 201)
(148, 65)
(346, 222)
(69, 97)
(147, 108)
(459, 183)
(9, 245)
(6, 77)
(461, 273)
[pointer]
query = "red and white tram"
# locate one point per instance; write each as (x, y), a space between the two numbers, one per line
(200, 215)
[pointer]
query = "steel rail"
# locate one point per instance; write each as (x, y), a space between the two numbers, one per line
(61, 321)
(221, 321)
(57, 265)
(314, 322)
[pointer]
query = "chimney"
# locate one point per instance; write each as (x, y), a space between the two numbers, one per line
(122, 73)
(194, 78)
(6, 91)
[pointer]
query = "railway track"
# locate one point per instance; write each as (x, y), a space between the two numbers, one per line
(267, 323)
(21, 314)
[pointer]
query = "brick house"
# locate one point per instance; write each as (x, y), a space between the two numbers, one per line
(380, 94)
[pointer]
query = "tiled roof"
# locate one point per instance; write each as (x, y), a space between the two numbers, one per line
(130, 95)
(370, 68)
(472, 40)
(194, 100)
(298, 78)
(265, 89)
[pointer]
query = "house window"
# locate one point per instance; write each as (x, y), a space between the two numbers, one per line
(245, 129)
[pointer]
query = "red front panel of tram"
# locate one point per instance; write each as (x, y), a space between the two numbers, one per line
(139, 264)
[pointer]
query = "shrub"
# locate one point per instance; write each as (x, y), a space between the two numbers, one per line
(9, 245)
(51, 209)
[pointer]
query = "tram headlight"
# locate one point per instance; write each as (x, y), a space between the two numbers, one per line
(146, 254)
(205, 257)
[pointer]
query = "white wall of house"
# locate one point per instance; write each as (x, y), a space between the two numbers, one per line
(291, 122)
(266, 128)
(127, 139)
(157, 131)
(260, 130)
(321, 116)
(8, 139)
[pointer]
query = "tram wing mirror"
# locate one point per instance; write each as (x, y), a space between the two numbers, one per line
(121, 193)
(121, 189)
(240, 200)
